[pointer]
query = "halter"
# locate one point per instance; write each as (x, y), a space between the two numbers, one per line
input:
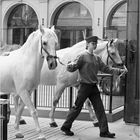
(109, 56)
(48, 54)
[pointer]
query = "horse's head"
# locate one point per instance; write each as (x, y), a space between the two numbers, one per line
(109, 53)
(49, 42)
(113, 57)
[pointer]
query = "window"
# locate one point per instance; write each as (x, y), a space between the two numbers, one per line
(22, 21)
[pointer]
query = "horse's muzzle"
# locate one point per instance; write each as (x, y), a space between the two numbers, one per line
(118, 65)
(52, 63)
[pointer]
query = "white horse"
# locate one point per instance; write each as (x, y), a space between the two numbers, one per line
(62, 78)
(20, 70)
(109, 54)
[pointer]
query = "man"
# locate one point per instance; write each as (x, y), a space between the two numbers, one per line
(88, 65)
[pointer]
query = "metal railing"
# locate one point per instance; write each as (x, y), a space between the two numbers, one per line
(43, 96)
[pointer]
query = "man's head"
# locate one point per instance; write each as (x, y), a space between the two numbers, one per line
(91, 41)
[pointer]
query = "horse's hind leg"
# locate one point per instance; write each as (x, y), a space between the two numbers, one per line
(59, 90)
(91, 113)
(25, 96)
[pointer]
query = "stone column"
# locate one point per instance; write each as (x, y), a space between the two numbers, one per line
(133, 33)
(0, 23)
(44, 12)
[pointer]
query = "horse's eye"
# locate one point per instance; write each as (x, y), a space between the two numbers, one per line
(112, 53)
(45, 43)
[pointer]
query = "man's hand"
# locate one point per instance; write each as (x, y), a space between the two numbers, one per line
(71, 66)
(123, 71)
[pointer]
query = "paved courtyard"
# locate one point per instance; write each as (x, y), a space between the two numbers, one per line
(83, 130)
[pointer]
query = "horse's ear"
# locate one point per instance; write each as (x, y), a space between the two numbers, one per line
(111, 41)
(41, 29)
(53, 28)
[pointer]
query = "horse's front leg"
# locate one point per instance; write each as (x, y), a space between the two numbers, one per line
(91, 113)
(17, 102)
(25, 96)
(18, 112)
(59, 90)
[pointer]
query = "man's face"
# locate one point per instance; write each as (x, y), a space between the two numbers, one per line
(93, 45)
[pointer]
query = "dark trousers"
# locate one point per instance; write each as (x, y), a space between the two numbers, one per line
(91, 92)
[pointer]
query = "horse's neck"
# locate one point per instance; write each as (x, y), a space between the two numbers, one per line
(102, 51)
(30, 51)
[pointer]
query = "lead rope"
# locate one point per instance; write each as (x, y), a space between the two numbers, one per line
(60, 61)
(123, 73)
(119, 78)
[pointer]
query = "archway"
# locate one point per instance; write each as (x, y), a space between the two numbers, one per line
(72, 21)
(117, 22)
(21, 22)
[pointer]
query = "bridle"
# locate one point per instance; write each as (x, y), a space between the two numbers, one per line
(109, 56)
(49, 56)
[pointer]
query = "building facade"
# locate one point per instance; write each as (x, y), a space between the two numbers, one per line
(73, 19)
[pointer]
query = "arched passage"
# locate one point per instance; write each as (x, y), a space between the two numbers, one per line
(72, 21)
(21, 22)
(117, 22)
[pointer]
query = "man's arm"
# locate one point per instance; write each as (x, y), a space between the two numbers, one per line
(107, 69)
(76, 64)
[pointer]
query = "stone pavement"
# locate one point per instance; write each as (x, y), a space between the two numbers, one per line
(84, 130)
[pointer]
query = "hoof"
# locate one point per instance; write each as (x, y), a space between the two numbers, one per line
(53, 124)
(22, 122)
(41, 139)
(19, 135)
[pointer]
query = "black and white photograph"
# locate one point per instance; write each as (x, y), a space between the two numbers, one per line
(69, 69)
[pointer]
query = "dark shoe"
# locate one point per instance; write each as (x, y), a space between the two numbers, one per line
(21, 122)
(96, 124)
(107, 134)
(67, 131)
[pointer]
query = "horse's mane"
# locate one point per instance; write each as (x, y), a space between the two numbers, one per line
(37, 32)
(29, 40)
(100, 47)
